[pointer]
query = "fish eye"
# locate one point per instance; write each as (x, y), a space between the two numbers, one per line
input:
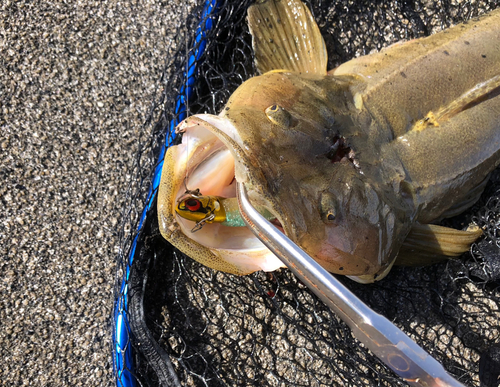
(278, 116)
(328, 207)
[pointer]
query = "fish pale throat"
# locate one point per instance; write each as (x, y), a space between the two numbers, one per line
(204, 166)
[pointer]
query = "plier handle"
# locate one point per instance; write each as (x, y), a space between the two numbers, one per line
(389, 343)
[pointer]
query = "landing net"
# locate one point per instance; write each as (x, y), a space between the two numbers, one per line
(178, 323)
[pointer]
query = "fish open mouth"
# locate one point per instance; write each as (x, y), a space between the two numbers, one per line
(205, 161)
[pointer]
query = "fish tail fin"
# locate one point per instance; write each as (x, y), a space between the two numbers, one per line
(286, 37)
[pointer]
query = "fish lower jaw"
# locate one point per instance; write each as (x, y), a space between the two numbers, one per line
(250, 261)
(371, 278)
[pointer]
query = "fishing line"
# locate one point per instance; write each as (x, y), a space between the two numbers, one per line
(187, 99)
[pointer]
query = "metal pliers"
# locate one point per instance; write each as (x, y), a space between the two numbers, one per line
(383, 338)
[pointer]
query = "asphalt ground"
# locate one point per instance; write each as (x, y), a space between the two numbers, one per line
(77, 80)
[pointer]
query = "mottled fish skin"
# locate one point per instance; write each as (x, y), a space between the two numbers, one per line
(352, 160)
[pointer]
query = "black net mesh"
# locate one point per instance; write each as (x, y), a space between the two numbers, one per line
(192, 326)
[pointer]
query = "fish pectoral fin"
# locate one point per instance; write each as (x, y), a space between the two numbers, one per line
(428, 243)
(286, 37)
(468, 200)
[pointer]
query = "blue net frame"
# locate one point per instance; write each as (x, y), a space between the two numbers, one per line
(123, 365)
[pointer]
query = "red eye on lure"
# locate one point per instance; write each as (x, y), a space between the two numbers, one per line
(193, 204)
(200, 209)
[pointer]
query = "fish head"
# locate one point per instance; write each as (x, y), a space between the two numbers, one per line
(278, 135)
(350, 228)
(311, 177)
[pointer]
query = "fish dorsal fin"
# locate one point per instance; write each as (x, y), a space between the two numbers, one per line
(430, 243)
(286, 37)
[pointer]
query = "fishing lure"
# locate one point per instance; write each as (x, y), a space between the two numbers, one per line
(211, 209)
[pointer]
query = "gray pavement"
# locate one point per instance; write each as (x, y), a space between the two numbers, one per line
(76, 81)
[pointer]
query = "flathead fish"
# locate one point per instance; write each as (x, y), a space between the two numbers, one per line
(353, 164)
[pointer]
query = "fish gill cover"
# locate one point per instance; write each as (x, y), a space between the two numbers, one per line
(178, 323)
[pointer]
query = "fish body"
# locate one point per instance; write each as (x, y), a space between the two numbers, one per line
(354, 163)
